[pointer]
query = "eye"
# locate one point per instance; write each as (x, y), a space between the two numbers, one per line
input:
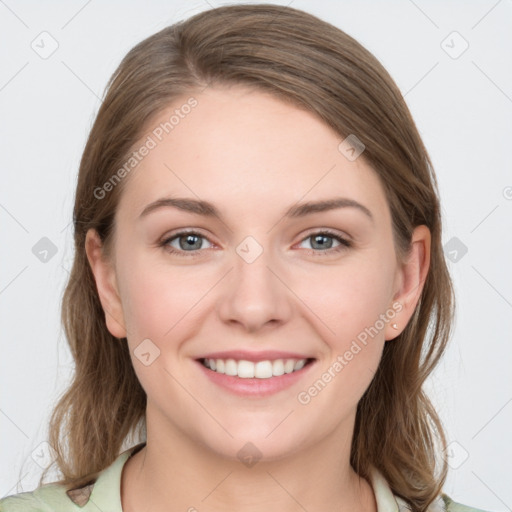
(184, 242)
(322, 242)
(191, 242)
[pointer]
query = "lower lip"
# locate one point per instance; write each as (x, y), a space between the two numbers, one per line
(255, 387)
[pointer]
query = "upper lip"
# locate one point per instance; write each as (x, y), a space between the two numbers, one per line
(254, 356)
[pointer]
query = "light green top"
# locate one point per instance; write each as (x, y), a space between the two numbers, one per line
(104, 495)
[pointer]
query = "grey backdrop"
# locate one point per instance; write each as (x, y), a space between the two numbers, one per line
(452, 61)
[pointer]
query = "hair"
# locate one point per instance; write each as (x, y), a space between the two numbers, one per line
(315, 66)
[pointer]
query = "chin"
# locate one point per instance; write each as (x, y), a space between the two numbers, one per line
(254, 443)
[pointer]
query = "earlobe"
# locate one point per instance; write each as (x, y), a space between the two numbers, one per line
(105, 277)
(412, 276)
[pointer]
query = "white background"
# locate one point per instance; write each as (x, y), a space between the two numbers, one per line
(462, 107)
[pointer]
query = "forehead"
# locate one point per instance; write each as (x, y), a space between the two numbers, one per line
(243, 150)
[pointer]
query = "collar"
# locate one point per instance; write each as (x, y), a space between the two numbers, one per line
(388, 502)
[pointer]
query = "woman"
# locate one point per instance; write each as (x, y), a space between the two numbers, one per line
(258, 261)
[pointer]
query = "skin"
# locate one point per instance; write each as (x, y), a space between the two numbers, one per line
(253, 156)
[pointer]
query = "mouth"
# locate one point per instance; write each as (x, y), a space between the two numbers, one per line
(254, 379)
(244, 369)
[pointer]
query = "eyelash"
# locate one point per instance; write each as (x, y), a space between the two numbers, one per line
(344, 244)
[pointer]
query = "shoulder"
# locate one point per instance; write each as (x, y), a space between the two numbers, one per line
(100, 493)
(452, 506)
(47, 498)
(386, 500)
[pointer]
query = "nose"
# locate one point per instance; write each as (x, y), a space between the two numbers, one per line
(254, 294)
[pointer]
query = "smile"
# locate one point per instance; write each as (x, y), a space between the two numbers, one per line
(254, 370)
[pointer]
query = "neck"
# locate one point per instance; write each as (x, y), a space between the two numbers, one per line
(177, 474)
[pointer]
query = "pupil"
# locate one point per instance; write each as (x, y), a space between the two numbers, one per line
(190, 242)
(322, 239)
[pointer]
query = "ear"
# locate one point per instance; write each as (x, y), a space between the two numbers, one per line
(104, 275)
(409, 280)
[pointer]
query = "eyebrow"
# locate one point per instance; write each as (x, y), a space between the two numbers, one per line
(207, 209)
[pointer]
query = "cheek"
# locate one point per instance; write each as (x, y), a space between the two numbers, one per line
(350, 298)
(350, 304)
(159, 299)
(160, 304)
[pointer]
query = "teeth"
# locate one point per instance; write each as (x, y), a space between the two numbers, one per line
(299, 364)
(249, 370)
(288, 366)
(278, 367)
(220, 365)
(230, 367)
(246, 369)
(263, 370)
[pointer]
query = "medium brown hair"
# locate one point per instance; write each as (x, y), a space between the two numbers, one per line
(315, 66)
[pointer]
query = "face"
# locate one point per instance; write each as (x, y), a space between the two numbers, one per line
(252, 282)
